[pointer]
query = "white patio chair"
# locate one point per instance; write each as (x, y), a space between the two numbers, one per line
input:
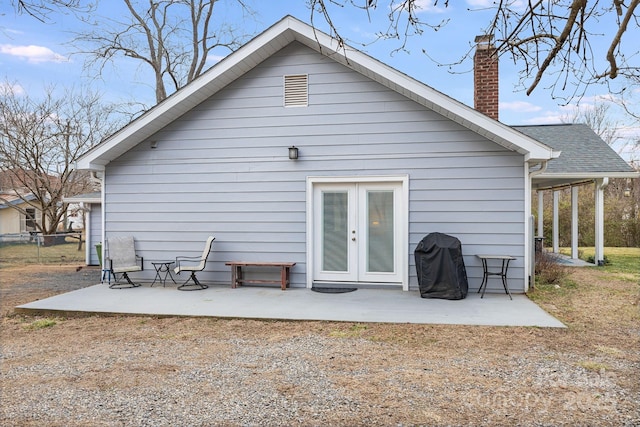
(193, 264)
(123, 260)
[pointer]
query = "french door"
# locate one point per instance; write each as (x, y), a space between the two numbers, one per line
(357, 232)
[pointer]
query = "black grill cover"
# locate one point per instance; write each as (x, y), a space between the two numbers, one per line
(440, 267)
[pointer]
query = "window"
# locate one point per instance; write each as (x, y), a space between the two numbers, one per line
(296, 93)
(30, 219)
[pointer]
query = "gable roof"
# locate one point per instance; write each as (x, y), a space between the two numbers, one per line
(584, 155)
(8, 199)
(22, 180)
(275, 38)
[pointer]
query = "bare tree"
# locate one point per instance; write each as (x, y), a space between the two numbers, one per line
(553, 38)
(43, 9)
(597, 117)
(173, 38)
(40, 140)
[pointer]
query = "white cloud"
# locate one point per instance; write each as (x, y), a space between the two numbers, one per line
(551, 117)
(427, 6)
(6, 88)
(487, 4)
(214, 59)
(630, 132)
(520, 107)
(32, 53)
(481, 3)
(587, 102)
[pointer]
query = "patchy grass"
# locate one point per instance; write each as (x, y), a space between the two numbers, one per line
(31, 253)
(596, 295)
(354, 331)
(593, 366)
(42, 324)
(611, 351)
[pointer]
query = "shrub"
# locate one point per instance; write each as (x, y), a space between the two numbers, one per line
(548, 268)
(592, 260)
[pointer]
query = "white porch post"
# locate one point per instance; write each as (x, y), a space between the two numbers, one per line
(600, 185)
(556, 229)
(86, 216)
(540, 214)
(574, 222)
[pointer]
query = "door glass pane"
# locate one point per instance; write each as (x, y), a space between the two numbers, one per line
(335, 231)
(380, 240)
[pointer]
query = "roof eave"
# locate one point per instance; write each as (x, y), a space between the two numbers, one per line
(442, 104)
(188, 97)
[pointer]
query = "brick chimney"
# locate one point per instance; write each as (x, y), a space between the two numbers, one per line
(485, 77)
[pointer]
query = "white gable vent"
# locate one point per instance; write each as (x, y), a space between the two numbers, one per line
(296, 93)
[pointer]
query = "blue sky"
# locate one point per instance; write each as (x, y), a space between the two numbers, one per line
(36, 55)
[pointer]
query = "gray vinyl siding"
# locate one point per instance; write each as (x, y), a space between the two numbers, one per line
(223, 169)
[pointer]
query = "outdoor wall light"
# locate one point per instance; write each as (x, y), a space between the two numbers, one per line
(154, 144)
(293, 152)
(627, 192)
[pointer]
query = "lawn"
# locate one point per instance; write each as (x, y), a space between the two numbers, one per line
(591, 292)
(618, 260)
(32, 253)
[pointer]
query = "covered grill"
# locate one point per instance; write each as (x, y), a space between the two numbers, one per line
(440, 267)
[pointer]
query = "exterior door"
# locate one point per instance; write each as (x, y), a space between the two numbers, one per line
(357, 232)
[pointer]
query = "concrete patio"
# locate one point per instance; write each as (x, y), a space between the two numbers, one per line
(255, 302)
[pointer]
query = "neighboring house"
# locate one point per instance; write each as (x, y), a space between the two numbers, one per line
(91, 211)
(14, 221)
(382, 161)
(19, 207)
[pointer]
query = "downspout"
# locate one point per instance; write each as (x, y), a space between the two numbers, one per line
(95, 178)
(543, 167)
(530, 261)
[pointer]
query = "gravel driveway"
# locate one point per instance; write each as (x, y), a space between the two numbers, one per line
(144, 371)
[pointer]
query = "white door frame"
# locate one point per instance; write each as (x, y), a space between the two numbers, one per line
(403, 220)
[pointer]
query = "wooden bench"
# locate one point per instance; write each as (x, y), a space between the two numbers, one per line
(237, 277)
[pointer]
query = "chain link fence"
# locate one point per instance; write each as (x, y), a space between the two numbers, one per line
(34, 248)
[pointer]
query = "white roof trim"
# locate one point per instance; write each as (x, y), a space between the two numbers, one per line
(587, 175)
(270, 41)
(75, 199)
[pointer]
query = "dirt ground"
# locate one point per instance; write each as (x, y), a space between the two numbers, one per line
(70, 371)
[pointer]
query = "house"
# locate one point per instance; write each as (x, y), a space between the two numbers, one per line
(19, 209)
(17, 216)
(291, 149)
(90, 209)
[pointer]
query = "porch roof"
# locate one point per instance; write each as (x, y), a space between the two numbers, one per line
(85, 198)
(584, 156)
